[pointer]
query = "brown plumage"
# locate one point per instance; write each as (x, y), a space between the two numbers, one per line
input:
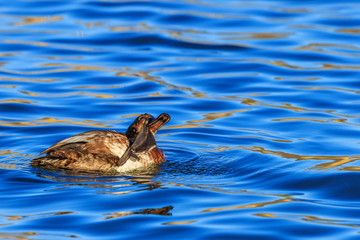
(108, 150)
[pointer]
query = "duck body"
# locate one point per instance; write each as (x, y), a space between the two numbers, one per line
(108, 150)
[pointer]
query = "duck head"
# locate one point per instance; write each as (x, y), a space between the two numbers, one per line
(141, 134)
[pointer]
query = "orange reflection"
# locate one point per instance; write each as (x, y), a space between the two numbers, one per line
(39, 44)
(299, 119)
(13, 160)
(268, 139)
(69, 94)
(351, 169)
(34, 216)
(325, 48)
(307, 218)
(292, 10)
(83, 122)
(217, 115)
(19, 235)
(17, 101)
(6, 55)
(325, 66)
(16, 124)
(246, 206)
(326, 120)
(98, 87)
(297, 78)
(187, 126)
(16, 79)
(44, 44)
(36, 20)
(259, 36)
(348, 30)
(284, 64)
(333, 66)
(252, 102)
(61, 67)
(145, 75)
(332, 88)
(96, 95)
(49, 120)
(7, 152)
(29, 93)
(180, 222)
(335, 161)
(7, 86)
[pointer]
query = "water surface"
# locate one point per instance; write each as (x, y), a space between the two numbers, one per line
(264, 98)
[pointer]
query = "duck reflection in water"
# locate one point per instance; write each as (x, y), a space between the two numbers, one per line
(108, 150)
(164, 211)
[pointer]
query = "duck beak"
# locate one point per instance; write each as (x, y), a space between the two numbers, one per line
(160, 121)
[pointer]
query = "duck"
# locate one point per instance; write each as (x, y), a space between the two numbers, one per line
(107, 150)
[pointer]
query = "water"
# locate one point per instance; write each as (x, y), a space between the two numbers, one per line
(264, 98)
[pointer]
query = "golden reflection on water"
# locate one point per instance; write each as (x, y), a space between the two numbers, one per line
(349, 30)
(307, 218)
(5, 55)
(258, 36)
(17, 79)
(38, 44)
(50, 120)
(329, 48)
(62, 67)
(17, 101)
(252, 102)
(309, 119)
(13, 160)
(96, 95)
(334, 161)
(286, 199)
(217, 115)
(207, 118)
(297, 79)
(351, 169)
(37, 20)
(291, 10)
(145, 75)
(323, 66)
(35, 216)
(29, 93)
(179, 222)
(184, 126)
(332, 89)
(44, 44)
(18, 235)
(268, 139)
(12, 220)
(83, 122)
(7, 86)
(287, 106)
(68, 94)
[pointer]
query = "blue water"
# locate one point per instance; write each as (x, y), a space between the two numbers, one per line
(264, 98)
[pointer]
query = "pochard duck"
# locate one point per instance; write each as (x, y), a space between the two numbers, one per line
(108, 150)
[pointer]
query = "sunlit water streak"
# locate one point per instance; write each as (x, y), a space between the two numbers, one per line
(264, 98)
